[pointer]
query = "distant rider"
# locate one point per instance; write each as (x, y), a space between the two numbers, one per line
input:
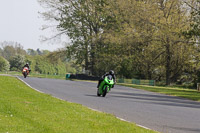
(27, 65)
(111, 72)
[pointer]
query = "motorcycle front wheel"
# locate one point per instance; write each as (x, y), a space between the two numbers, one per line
(25, 74)
(105, 91)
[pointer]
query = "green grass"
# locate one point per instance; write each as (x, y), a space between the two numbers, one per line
(179, 91)
(11, 73)
(47, 76)
(23, 110)
(173, 91)
(35, 75)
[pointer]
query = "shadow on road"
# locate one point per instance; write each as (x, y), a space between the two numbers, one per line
(157, 99)
(186, 129)
(91, 95)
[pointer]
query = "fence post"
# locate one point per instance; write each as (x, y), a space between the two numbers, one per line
(152, 82)
(120, 80)
(198, 86)
(138, 82)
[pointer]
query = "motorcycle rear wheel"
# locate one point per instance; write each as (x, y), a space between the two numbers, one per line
(98, 94)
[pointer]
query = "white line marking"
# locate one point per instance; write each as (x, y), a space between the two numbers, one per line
(135, 123)
(85, 106)
(143, 127)
(37, 89)
(29, 85)
(94, 110)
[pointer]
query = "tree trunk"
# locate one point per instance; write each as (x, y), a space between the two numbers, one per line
(168, 64)
(86, 58)
(149, 72)
(92, 60)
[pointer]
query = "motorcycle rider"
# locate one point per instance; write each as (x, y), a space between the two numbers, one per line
(111, 72)
(27, 65)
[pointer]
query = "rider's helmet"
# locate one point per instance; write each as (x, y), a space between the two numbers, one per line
(27, 63)
(111, 72)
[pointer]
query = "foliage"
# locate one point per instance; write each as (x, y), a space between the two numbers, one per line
(1, 52)
(148, 43)
(138, 39)
(71, 69)
(17, 62)
(59, 57)
(10, 49)
(43, 66)
(194, 31)
(33, 52)
(40, 61)
(83, 22)
(4, 64)
(52, 63)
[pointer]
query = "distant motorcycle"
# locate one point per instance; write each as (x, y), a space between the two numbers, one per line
(105, 86)
(25, 72)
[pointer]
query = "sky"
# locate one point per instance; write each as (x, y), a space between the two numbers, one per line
(20, 22)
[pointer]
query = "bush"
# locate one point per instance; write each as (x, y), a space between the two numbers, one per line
(4, 64)
(17, 62)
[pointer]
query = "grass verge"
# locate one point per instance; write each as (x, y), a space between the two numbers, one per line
(23, 110)
(31, 74)
(47, 76)
(173, 91)
(185, 93)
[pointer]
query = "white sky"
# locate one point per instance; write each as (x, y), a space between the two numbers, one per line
(20, 22)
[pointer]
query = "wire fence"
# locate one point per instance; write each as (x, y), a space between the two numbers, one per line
(137, 82)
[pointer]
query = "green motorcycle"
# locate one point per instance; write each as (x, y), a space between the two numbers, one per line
(105, 86)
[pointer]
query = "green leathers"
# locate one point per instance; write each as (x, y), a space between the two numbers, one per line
(105, 86)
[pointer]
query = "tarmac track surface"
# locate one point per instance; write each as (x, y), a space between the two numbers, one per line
(166, 114)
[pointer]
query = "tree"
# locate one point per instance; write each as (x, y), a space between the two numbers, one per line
(1, 52)
(4, 64)
(172, 23)
(17, 62)
(138, 39)
(148, 43)
(83, 22)
(39, 52)
(45, 52)
(8, 52)
(53, 57)
(10, 49)
(194, 31)
(19, 49)
(31, 52)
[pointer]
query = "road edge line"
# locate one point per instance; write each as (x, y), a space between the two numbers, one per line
(85, 106)
(29, 85)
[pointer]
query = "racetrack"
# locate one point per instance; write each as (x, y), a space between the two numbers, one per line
(159, 112)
